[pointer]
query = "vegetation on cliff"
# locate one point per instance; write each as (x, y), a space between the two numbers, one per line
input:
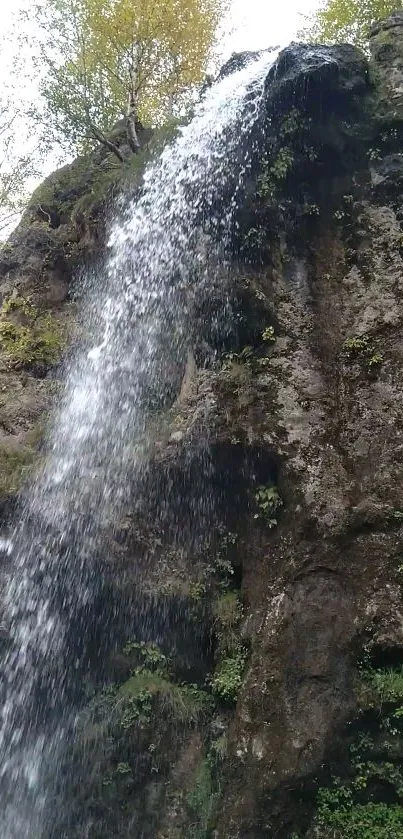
(138, 61)
(339, 21)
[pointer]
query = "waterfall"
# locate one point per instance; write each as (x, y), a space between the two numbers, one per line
(165, 249)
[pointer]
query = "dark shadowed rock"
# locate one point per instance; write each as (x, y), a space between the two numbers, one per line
(304, 71)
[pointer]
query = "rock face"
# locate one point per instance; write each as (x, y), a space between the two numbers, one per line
(268, 660)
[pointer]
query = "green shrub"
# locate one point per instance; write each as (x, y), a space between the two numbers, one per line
(227, 678)
(357, 345)
(388, 684)
(269, 502)
(275, 172)
(360, 821)
(379, 687)
(220, 569)
(149, 654)
(268, 335)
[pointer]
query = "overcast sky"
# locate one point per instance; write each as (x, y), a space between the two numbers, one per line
(252, 24)
(257, 24)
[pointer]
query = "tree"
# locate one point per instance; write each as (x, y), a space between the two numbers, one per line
(108, 59)
(17, 164)
(348, 20)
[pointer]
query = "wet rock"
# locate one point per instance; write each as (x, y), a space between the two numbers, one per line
(303, 71)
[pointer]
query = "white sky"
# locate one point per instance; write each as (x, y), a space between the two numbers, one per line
(252, 24)
(261, 23)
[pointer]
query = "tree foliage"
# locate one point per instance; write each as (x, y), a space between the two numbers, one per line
(108, 59)
(339, 21)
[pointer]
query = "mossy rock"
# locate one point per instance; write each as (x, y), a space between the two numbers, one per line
(80, 189)
(28, 336)
(200, 802)
(183, 703)
(15, 467)
(227, 615)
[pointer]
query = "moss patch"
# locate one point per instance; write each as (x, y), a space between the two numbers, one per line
(200, 802)
(15, 466)
(182, 702)
(78, 190)
(27, 335)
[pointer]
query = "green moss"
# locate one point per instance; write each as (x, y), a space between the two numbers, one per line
(227, 614)
(15, 466)
(19, 304)
(203, 797)
(74, 190)
(97, 191)
(182, 702)
(132, 170)
(62, 190)
(200, 803)
(77, 191)
(28, 336)
(161, 137)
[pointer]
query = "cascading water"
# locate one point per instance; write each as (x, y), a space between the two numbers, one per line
(163, 252)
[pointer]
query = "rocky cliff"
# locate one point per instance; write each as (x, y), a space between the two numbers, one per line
(252, 683)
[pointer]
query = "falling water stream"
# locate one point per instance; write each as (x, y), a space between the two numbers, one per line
(164, 249)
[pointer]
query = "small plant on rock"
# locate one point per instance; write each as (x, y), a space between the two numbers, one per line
(274, 172)
(268, 335)
(269, 502)
(149, 654)
(375, 359)
(228, 612)
(362, 347)
(227, 679)
(244, 356)
(357, 345)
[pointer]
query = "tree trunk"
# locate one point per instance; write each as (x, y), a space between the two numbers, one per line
(132, 137)
(105, 142)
